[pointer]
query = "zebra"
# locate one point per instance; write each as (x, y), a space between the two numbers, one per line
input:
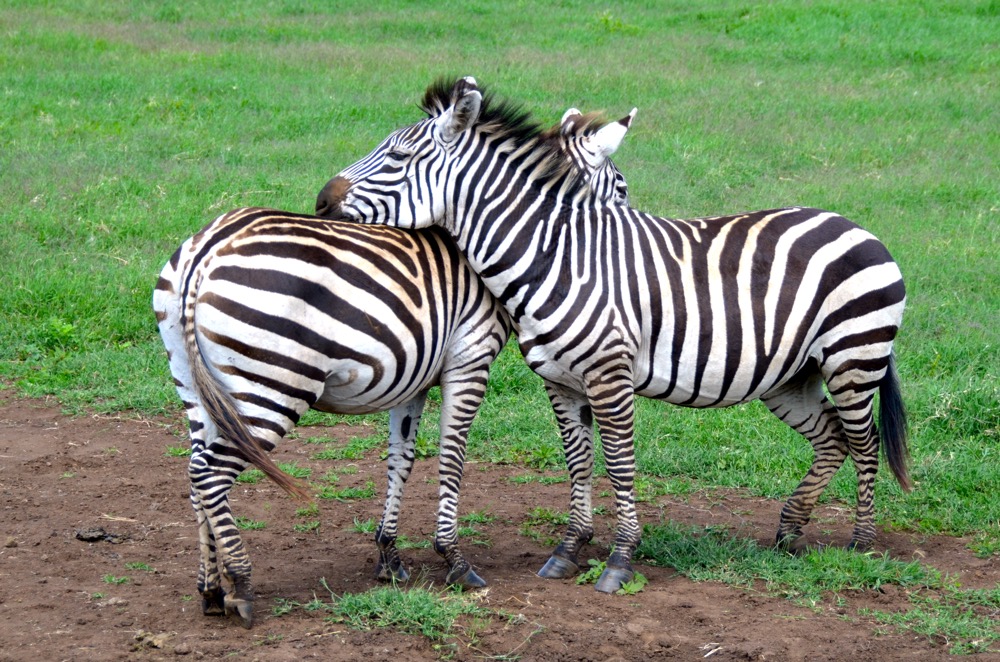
(795, 307)
(267, 313)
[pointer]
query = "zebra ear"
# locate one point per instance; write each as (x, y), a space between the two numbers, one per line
(607, 140)
(568, 121)
(464, 111)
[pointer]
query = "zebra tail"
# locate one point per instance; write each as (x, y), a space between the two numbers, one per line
(226, 415)
(892, 425)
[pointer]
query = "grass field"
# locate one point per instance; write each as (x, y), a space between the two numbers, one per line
(127, 126)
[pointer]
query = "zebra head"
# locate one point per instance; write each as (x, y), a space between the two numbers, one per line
(400, 179)
(588, 142)
(409, 180)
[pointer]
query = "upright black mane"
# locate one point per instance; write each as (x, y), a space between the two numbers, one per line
(507, 120)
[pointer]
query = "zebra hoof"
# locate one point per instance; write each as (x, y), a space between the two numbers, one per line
(242, 610)
(793, 545)
(612, 579)
(388, 573)
(467, 579)
(213, 602)
(558, 568)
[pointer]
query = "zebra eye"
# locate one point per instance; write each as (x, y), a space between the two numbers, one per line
(398, 153)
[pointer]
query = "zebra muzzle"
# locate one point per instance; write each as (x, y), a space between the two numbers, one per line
(328, 202)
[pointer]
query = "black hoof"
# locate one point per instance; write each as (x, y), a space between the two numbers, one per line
(558, 568)
(612, 579)
(466, 578)
(213, 602)
(791, 544)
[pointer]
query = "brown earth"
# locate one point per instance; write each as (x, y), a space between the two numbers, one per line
(60, 476)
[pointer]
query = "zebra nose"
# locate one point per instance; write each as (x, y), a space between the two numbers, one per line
(329, 199)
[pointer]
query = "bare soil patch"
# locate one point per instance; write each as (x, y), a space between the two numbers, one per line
(60, 476)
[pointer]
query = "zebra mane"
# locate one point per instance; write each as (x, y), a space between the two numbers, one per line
(509, 121)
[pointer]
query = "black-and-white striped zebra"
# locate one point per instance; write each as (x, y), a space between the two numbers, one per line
(610, 302)
(265, 314)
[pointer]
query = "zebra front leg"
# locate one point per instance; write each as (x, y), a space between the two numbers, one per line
(403, 423)
(612, 400)
(462, 391)
(211, 478)
(576, 426)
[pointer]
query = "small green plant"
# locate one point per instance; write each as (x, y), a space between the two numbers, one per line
(312, 510)
(178, 451)
(294, 470)
(68, 474)
(402, 542)
(250, 476)
(367, 526)
(283, 606)
(366, 492)
(592, 574)
(415, 611)
(117, 581)
(97, 595)
(477, 517)
(247, 524)
(354, 450)
(138, 565)
(306, 527)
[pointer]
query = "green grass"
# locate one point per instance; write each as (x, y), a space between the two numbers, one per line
(127, 126)
(963, 619)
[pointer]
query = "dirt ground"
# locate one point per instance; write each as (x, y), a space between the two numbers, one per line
(60, 476)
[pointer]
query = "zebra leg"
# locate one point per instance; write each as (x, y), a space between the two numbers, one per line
(462, 390)
(803, 406)
(576, 426)
(403, 423)
(852, 384)
(213, 471)
(612, 400)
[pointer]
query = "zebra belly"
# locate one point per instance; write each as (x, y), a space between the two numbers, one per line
(352, 389)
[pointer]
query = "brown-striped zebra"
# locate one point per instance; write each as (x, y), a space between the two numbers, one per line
(609, 302)
(266, 313)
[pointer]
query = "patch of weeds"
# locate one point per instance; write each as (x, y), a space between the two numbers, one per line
(553, 480)
(477, 517)
(635, 585)
(545, 457)
(366, 492)
(312, 510)
(68, 474)
(963, 620)
(247, 524)
(542, 525)
(306, 527)
(117, 581)
(178, 451)
(111, 451)
(97, 595)
(419, 611)
(138, 565)
(402, 542)
(354, 450)
(986, 544)
(283, 606)
(318, 440)
(331, 477)
(294, 470)
(521, 479)
(250, 476)
(714, 553)
(367, 526)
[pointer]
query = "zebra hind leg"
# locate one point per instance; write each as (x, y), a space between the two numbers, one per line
(802, 405)
(403, 423)
(223, 556)
(576, 425)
